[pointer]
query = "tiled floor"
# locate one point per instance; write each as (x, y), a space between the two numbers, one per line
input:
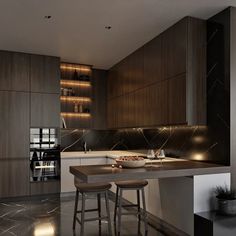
(53, 216)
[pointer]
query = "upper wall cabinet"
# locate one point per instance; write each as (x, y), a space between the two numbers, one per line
(45, 74)
(175, 42)
(167, 77)
(14, 71)
(45, 110)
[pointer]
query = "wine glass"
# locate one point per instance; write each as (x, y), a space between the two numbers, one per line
(161, 156)
(151, 155)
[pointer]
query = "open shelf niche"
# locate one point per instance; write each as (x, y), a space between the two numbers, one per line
(76, 92)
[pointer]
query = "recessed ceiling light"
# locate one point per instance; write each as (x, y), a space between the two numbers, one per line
(108, 27)
(48, 17)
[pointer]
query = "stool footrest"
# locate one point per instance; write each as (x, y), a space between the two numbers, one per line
(89, 210)
(93, 219)
(131, 205)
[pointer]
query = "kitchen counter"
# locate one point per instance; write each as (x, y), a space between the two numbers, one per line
(104, 173)
(109, 154)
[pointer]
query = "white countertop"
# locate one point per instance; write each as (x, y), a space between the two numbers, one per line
(111, 154)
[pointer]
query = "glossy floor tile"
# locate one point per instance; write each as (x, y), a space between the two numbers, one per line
(51, 216)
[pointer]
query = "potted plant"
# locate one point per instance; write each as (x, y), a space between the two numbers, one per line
(226, 199)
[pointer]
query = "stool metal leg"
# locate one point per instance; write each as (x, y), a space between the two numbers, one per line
(75, 208)
(116, 203)
(108, 212)
(99, 209)
(144, 210)
(82, 215)
(119, 212)
(138, 203)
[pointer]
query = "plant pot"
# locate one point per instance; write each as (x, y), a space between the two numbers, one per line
(227, 207)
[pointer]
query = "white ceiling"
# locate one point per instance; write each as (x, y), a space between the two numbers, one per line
(76, 32)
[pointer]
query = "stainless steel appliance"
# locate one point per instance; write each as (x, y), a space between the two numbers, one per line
(44, 154)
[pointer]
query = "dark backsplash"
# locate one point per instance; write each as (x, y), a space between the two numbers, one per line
(209, 143)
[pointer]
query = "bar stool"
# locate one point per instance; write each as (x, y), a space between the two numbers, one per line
(130, 185)
(85, 190)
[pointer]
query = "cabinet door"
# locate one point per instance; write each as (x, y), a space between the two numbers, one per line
(14, 177)
(153, 70)
(14, 125)
(41, 188)
(67, 179)
(177, 100)
(45, 110)
(157, 104)
(14, 71)
(45, 74)
(175, 49)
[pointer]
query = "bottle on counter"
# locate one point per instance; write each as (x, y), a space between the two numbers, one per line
(81, 108)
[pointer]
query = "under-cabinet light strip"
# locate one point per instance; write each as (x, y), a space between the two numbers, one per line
(79, 68)
(75, 99)
(75, 83)
(84, 115)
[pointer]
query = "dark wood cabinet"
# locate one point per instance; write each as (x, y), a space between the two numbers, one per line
(45, 110)
(153, 61)
(177, 100)
(167, 77)
(45, 74)
(14, 125)
(14, 71)
(41, 188)
(174, 46)
(99, 99)
(14, 177)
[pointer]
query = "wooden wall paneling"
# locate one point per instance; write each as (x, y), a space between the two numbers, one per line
(14, 177)
(45, 110)
(175, 49)
(137, 69)
(45, 74)
(153, 60)
(196, 72)
(14, 126)
(99, 99)
(14, 71)
(177, 100)
(158, 104)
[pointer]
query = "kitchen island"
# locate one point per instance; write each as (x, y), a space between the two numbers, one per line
(176, 189)
(175, 168)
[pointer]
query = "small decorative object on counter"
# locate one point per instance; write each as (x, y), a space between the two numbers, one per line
(113, 166)
(226, 199)
(76, 107)
(131, 161)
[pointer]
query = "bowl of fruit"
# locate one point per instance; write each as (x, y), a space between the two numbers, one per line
(131, 161)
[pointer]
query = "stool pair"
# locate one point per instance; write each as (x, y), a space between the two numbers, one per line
(102, 188)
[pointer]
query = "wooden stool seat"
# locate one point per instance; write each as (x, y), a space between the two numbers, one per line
(132, 184)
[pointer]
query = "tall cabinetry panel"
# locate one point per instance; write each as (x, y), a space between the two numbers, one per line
(14, 71)
(45, 89)
(14, 144)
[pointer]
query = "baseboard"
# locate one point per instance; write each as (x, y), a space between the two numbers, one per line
(155, 222)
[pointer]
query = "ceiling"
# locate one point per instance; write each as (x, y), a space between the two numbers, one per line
(76, 31)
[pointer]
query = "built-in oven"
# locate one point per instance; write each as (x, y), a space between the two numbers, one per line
(44, 154)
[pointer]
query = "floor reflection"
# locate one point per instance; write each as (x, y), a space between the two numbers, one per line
(52, 216)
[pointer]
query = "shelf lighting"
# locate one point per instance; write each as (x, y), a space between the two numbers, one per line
(78, 68)
(75, 83)
(73, 114)
(75, 99)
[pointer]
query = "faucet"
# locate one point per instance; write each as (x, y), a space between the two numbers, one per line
(85, 147)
